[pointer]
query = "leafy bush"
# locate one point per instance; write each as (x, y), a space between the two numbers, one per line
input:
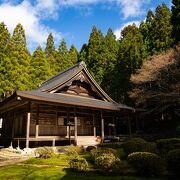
(138, 145)
(105, 162)
(146, 163)
(78, 163)
(44, 152)
(89, 148)
(173, 161)
(165, 145)
(74, 150)
(100, 151)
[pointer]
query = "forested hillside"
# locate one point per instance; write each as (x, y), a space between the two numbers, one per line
(112, 62)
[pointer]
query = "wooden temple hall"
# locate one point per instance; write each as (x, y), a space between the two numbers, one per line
(68, 108)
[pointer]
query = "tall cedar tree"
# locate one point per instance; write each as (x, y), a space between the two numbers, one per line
(95, 59)
(40, 70)
(110, 57)
(63, 60)
(146, 29)
(176, 20)
(162, 28)
(82, 56)
(51, 53)
(73, 54)
(17, 61)
(130, 57)
(4, 39)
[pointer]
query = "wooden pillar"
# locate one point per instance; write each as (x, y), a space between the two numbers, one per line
(75, 129)
(102, 127)
(94, 125)
(37, 123)
(28, 129)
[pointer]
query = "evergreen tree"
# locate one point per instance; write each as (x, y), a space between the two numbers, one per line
(110, 58)
(162, 28)
(176, 20)
(146, 29)
(50, 48)
(40, 70)
(51, 53)
(130, 56)
(73, 54)
(82, 56)
(16, 65)
(4, 39)
(95, 59)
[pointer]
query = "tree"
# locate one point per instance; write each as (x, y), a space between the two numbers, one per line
(40, 70)
(82, 56)
(146, 29)
(4, 40)
(17, 58)
(162, 28)
(73, 54)
(130, 57)
(176, 20)
(51, 54)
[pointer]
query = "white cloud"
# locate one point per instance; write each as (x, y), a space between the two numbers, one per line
(117, 32)
(29, 17)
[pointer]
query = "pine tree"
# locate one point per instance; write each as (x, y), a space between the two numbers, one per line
(40, 70)
(176, 20)
(162, 28)
(82, 56)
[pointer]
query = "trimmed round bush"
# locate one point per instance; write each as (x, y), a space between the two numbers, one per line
(105, 162)
(44, 152)
(99, 151)
(166, 145)
(78, 164)
(138, 145)
(74, 150)
(173, 161)
(146, 163)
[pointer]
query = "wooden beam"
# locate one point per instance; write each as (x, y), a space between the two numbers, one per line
(28, 129)
(94, 126)
(37, 123)
(102, 127)
(75, 129)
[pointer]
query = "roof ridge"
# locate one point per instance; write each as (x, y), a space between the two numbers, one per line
(82, 63)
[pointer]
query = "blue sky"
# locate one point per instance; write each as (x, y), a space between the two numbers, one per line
(72, 19)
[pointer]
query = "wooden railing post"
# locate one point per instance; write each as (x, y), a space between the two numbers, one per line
(28, 129)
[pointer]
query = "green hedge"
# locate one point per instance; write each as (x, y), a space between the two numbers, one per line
(173, 161)
(146, 163)
(113, 145)
(138, 145)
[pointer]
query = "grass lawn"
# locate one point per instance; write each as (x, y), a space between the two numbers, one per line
(52, 168)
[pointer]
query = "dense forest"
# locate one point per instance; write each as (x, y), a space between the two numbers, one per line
(125, 68)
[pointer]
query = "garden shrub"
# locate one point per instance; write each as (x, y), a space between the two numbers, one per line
(89, 148)
(165, 145)
(44, 152)
(99, 151)
(173, 161)
(146, 163)
(105, 162)
(139, 145)
(78, 163)
(74, 150)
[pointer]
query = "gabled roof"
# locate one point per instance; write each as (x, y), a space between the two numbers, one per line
(68, 75)
(45, 93)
